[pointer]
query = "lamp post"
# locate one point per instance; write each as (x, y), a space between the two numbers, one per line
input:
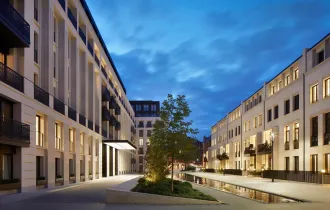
(322, 171)
(272, 138)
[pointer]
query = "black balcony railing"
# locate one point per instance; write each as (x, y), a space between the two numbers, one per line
(97, 60)
(299, 176)
(41, 95)
(104, 133)
(82, 120)
(265, 148)
(72, 18)
(287, 145)
(13, 129)
(222, 156)
(105, 94)
(117, 110)
(118, 126)
(90, 125)
(113, 104)
(110, 82)
(15, 21)
(104, 72)
(314, 141)
(90, 48)
(237, 172)
(82, 35)
(250, 151)
(72, 114)
(105, 114)
(62, 3)
(295, 144)
(59, 106)
(326, 138)
(140, 125)
(116, 92)
(97, 129)
(112, 121)
(149, 125)
(11, 78)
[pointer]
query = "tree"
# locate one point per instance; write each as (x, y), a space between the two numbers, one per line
(173, 113)
(189, 152)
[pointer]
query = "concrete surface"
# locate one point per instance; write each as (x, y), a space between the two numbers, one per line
(299, 190)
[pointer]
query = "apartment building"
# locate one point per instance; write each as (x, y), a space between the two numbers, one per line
(289, 117)
(146, 113)
(65, 116)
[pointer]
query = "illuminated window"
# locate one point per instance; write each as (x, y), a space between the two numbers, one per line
(295, 74)
(140, 142)
(260, 120)
(327, 87)
(313, 93)
(287, 133)
(287, 79)
(296, 131)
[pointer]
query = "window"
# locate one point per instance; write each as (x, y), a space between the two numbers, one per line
(260, 120)
(296, 163)
(245, 128)
(148, 133)
(36, 10)
(273, 89)
(153, 107)
(314, 132)
(58, 167)
(287, 133)
(236, 131)
(6, 166)
(327, 162)
(55, 30)
(296, 131)
(140, 133)
(327, 123)
(36, 47)
(287, 79)
(269, 115)
(313, 93)
(287, 163)
(90, 146)
(54, 64)
(326, 87)
(141, 159)
(141, 125)
(295, 102)
(287, 107)
(275, 112)
(39, 134)
(239, 130)
(39, 166)
(320, 56)
(249, 125)
(295, 73)
(71, 140)
(140, 142)
(71, 168)
(58, 144)
(313, 161)
(260, 98)
(279, 85)
(35, 79)
(145, 107)
(138, 107)
(82, 143)
(255, 119)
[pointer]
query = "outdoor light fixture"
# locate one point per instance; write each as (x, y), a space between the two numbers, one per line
(323, 171)
(120, 144)
(272, 138)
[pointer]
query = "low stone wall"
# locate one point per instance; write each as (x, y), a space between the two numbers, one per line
(128, 197)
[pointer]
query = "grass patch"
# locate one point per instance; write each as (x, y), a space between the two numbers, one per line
(181, 189)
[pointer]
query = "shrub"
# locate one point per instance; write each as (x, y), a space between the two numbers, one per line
(210, 170)
(41, 178)
(9, 181)
(190, 168)
(255, 173)
(59, 176)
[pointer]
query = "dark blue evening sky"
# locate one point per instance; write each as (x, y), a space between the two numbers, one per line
(216, 52)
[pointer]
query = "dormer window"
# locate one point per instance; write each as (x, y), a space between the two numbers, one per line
(319, 56)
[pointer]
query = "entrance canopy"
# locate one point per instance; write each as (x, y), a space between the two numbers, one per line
(120, 144)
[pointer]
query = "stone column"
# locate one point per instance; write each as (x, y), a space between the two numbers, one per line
(50, 142)
(65, 136)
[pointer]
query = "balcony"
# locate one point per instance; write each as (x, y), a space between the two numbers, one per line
(118, 126)
(141, 125)
(62, 3)
(314, 141)
(295, 144)
(11, 78)
(97, 60)
(13, 130)
(133, 130)
(106, 116)
(250, 151)
(90, 125)
(117, 110)
(15, 31)
(112, 121)
(72, 18)
(104, 72)
(82, 35)
(265, 148)
(72, 114)
(104, 133)
(141, 151)
(223, 156)
(113, 104)
(105, 94)
(287, 145)
(116, 92)
(149, 125)
(97, 129)
(40, 142)
(82, 120)
(59, 106)
(90, 48)
(41, 95)
(326, 138)
(110, 82)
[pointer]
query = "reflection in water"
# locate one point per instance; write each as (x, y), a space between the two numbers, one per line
(237, 190)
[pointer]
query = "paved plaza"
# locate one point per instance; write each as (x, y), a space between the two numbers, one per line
(91, 196)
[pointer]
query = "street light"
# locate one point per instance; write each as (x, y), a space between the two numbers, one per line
(323, 172)
(272, 138)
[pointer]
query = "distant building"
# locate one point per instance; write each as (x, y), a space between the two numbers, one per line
(206, 145)
(146, 113)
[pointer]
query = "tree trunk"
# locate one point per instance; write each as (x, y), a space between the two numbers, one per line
(172, 188)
